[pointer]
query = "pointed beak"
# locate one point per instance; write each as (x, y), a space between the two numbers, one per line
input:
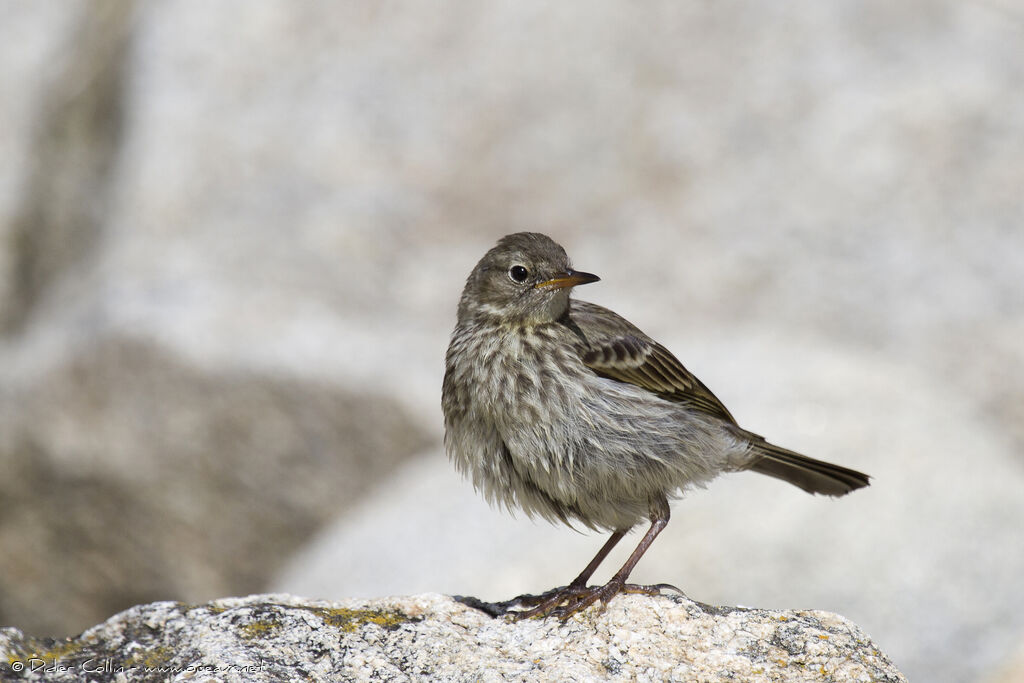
(569, 278)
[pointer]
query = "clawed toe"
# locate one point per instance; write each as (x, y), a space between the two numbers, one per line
(528, 600)
(547, 603)
(566, 601)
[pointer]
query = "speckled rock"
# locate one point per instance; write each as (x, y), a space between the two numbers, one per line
(435, 637)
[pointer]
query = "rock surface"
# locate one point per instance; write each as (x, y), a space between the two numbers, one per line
(434, 637)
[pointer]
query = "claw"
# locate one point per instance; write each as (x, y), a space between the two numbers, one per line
(567, 601)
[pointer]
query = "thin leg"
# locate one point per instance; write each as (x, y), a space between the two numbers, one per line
(565, 602)
(553, 597)
(658, 522)
(585, 575)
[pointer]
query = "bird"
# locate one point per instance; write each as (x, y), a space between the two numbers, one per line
(568, 412)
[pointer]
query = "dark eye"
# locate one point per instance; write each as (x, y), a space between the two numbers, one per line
(518, 273)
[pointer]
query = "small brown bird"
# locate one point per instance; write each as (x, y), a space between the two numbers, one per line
(569, 412)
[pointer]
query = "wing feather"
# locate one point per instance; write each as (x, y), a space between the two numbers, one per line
(616, 349)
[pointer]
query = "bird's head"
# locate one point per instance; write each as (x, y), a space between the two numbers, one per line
(525, 279)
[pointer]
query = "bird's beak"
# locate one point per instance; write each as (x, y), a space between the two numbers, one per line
(569, 278)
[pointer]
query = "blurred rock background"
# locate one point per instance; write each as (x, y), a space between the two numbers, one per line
(232, 237)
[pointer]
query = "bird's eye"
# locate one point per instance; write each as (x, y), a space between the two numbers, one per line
(518, 273)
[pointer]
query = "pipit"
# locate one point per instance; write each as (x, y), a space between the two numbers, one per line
(567, 411)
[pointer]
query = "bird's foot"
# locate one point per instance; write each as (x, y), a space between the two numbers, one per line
(565, 601)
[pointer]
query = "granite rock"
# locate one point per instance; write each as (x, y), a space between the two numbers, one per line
(435, 637)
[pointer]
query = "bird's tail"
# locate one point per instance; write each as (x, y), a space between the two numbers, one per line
(813, 476)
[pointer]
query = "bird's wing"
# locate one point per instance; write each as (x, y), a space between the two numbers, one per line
(614, 348)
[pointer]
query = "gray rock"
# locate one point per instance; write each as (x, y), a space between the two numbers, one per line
(433, 637)
(130, 475)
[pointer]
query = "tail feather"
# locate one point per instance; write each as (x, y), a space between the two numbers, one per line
(813, 476)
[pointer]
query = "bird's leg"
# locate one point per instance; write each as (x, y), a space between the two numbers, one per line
(542, 604)
(617, 584)
(577, 596)
(585, 575)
